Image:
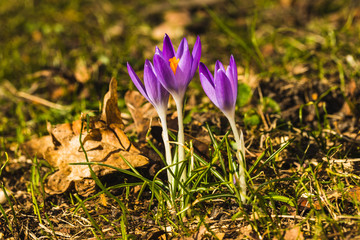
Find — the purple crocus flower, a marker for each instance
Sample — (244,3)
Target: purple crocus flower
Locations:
(222,91)
(176,69)
(157,95)
(222,88)
(153,91)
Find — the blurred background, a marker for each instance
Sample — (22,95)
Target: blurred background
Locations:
(57,57)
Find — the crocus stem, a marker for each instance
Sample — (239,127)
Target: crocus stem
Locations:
(168,158)
(181,140)
(240,154)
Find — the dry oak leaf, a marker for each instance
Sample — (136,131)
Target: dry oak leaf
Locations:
(105,142)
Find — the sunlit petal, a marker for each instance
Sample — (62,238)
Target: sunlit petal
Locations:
(233,72)
(158,51)
(183,70)
(224,93)
(196,54)
(219,65)
(175,70)
(165,74)
(206,72)
(207,83)
(168,48)
(137,82)
(156,92)
(233,68)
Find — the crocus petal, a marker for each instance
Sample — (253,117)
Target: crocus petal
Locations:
(148,63)
(196,54)
(224,93)
(168,48)
(233,68)
(207,83)
(158,51)
(229,74)
(183,70)
(232,80)
(137,82)
(232,71)
(158,95)
(206,72)
(183,46)
(219,65)
(165,74)
(163,92)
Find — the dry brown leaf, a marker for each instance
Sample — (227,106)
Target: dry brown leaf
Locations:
(105,142)
(82,73)
(350,194)
(299,69)
(174,24)
(111,113)
(268,49)
(245,232)
(114,31)
(294,234)
(286,3)
(38,146)
(220,236)
(141,111)
(349,106)
(200,234)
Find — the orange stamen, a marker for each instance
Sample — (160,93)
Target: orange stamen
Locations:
(174,63)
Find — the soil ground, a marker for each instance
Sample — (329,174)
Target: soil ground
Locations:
(298,69)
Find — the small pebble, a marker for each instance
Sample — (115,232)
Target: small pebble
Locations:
(3,197)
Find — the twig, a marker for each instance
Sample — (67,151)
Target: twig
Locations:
(342,160)
(32,98)
(346,217)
